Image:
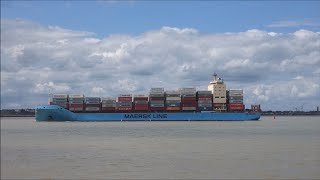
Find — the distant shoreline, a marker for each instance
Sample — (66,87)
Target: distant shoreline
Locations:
(315,114)
(17,116)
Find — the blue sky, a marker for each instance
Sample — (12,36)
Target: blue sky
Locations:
(135,17)
(270,49)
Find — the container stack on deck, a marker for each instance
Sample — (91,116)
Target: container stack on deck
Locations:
(92,104)
(60,100)
(188,99)
(108,104)
(141,103)
(204,99)
(124,103)
(216,98)
(173,101)
(76,103)
(157,99)
(235,100)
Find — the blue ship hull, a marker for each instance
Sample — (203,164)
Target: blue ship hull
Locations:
(57,113)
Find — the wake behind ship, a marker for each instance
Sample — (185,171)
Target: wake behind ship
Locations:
(185,104)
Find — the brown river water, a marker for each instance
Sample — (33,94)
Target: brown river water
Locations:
(281,148)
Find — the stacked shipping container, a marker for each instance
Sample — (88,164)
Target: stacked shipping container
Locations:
(156,99)
(235,100)
(60,100)
(188,99)
(124,102)
(204,99)
(93,104)
(173,101)
(141,103)
(108,104)
(76,103)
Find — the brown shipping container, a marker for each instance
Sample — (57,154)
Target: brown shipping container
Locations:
(156,108)
(157,98)
(141,102)
(76,105)
(218,104)
(173,108)
(141,105)
(141,108)
(140,98)
(188,99)
(189,104)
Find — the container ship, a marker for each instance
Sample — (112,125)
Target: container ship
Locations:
(185,104)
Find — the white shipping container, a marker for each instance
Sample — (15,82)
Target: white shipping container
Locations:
(156,105)
(204,105)
(60,96)
(92,109)
(173,98)
(187,90)
(76,96)
(204,102)
(188,95)
(109,105)
(156,95)
(156,102)
(125,95)
(189,108)
(172,92)
(108,99)
(204,92)
(76,109)
(157,90)
(173,101)
(235,92)
(140,95)
(59,100)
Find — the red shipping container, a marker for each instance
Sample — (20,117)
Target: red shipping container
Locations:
(141,98)
(236,107)
(188,99)
(124,98)
(141,108)
(190,104)
(76,105)
(124,109)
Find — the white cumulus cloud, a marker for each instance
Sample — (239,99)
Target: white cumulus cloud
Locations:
(274,69)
